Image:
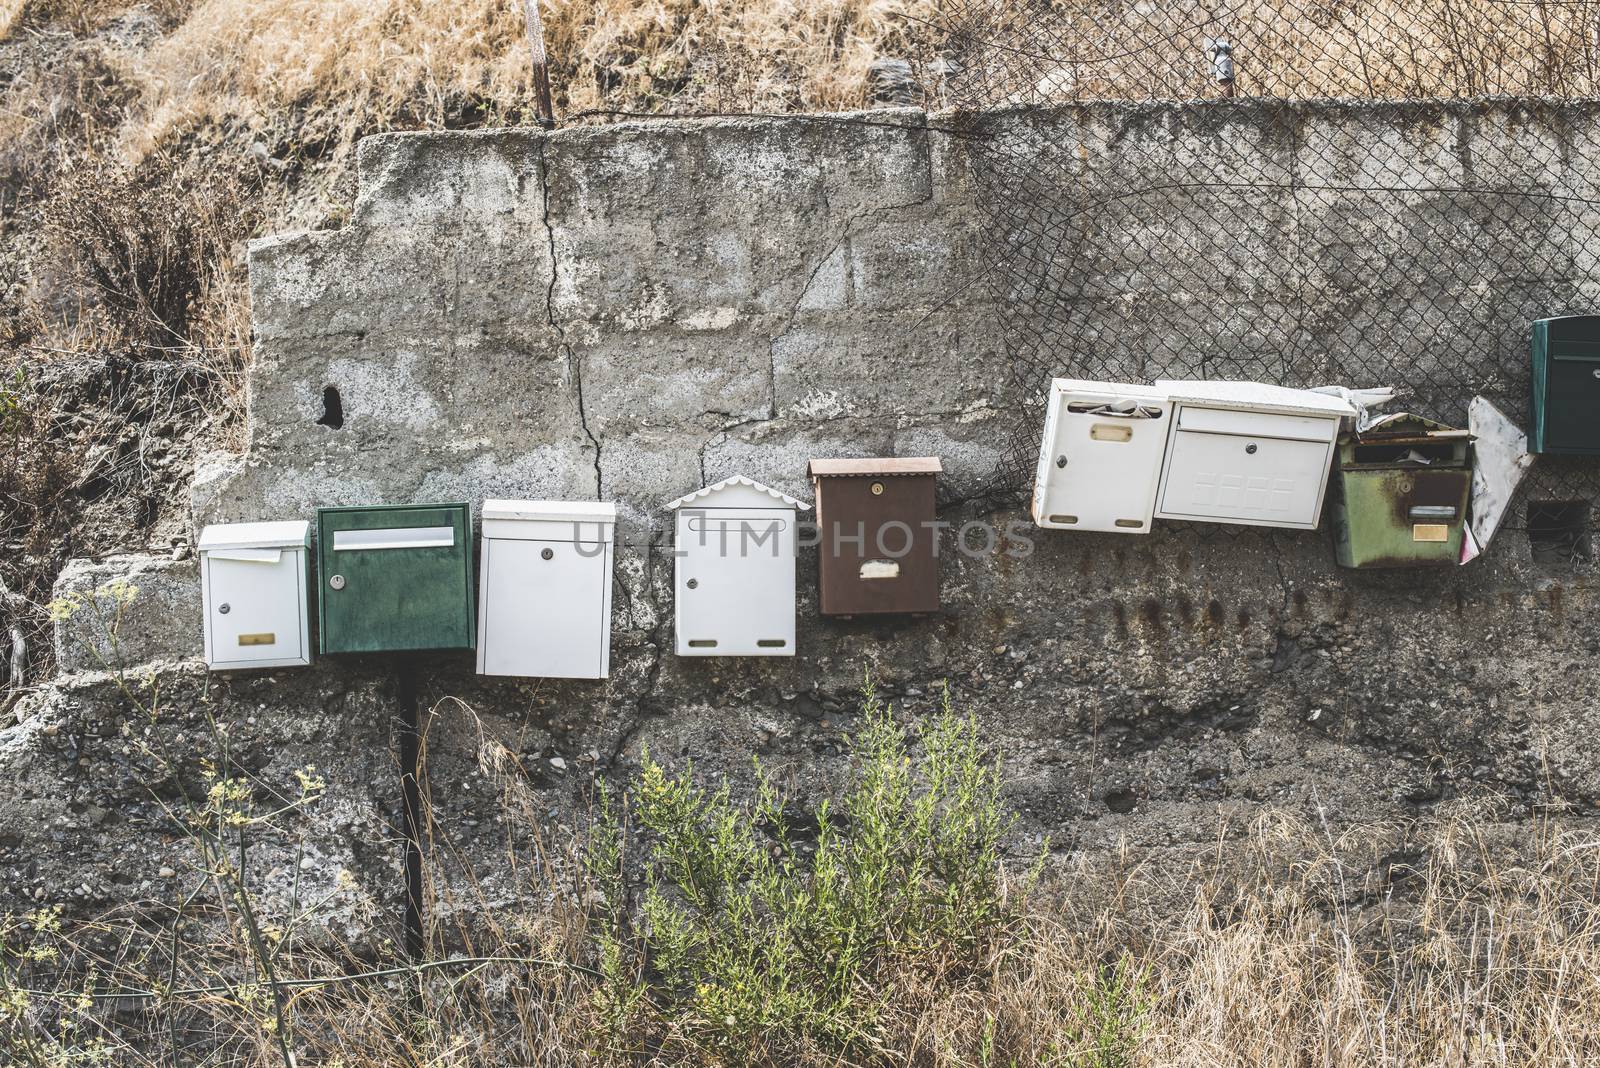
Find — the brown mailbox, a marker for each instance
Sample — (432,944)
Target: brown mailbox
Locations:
(875,525)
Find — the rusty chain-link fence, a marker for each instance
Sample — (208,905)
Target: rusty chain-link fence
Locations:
(1291,191)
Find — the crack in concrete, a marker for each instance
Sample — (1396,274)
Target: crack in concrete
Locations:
(574,362)
(849,231)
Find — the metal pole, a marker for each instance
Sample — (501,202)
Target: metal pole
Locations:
(541,64)
(411,798)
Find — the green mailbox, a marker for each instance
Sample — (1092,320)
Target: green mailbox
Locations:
(1566,385)
(1400,496)
(395,578)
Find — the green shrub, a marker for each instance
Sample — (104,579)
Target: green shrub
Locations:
(750,937)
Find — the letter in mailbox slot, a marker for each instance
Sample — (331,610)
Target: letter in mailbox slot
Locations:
(395,578)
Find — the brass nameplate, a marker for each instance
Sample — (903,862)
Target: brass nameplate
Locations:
(1110,432)
(1430,532)
(258,639)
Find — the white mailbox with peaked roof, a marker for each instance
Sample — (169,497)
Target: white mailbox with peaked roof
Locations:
(1247,452)
(1100,461)
(253,589)
(544,597)
(734,579)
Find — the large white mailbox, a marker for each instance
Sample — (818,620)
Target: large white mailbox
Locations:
(1100,461)
(253,589)
(734,577)
(544,596)
(1250,453)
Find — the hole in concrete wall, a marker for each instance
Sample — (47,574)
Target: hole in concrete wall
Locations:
(1121,801)
(332,409)
(1559,532)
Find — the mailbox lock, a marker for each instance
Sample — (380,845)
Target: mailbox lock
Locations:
(1597,372)
(548,554)
(693,584)
(877,489)
(1250,448)
(223,609)
(1061,461)
(337,582)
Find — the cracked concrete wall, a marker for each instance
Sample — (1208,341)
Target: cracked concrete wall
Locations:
(633,311)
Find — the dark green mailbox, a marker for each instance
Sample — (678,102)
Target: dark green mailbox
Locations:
(395,578)
(1566,385)
(1400,493)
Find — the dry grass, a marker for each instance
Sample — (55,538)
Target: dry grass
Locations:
(1281,48)
(1465,942)
(366,64)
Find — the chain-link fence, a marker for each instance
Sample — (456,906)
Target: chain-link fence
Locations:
(1299,192)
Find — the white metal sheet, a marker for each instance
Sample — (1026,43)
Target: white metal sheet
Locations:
(544,610)
(1254,481)
(735,595)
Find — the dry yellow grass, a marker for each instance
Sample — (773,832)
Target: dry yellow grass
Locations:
(370,63)
(1466,942)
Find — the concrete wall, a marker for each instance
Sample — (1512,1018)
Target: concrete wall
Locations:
(630,312)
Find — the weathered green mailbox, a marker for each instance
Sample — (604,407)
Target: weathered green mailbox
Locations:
(1566,385)
(1400,493)
(395,578)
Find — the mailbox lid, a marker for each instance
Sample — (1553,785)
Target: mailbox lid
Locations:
(879,551)
(568,521)
(285,534)
(1256,397)
(1566,375)
(404,578)
(1242,479)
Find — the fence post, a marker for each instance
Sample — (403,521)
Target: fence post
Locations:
(541,64)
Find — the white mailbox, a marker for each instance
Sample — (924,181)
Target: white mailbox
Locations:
(544,597)
(734,575)
(1100,462)
(253,588)
(1245,452)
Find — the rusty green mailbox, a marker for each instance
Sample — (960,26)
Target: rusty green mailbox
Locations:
(1400,493)
(395,578)
(1566,385)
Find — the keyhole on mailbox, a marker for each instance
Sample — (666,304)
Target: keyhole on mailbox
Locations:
(877,489)
(1061,461)
(224,609)
(1251,449)
(332,409)
(1596,372)
(693,584)
(549,554)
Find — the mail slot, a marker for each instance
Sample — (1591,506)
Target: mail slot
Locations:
(1400,494)
(1100,461)
(544,590)
(395,578)
(875,527)
(1248,453)
(1566,385)
(734,570)
(253,593)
